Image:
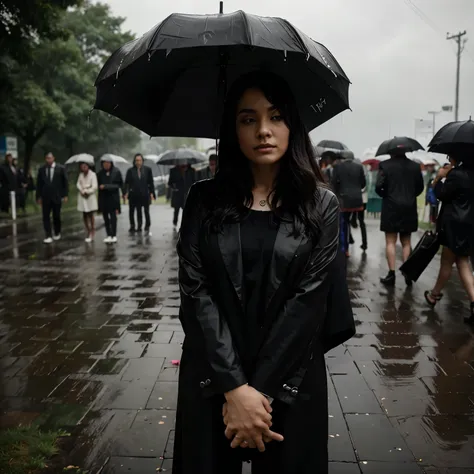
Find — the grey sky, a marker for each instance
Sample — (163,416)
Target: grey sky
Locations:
(399,65)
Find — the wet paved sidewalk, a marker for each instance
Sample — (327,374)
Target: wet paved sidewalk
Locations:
(88,335)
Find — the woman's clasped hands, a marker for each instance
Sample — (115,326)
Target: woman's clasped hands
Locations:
(248,419)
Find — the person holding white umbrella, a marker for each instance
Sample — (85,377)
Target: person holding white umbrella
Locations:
(87,199)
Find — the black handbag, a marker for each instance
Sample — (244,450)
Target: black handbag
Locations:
(421,255)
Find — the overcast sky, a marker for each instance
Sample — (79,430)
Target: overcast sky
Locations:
(398,59)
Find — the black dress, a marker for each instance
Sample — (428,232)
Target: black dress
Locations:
(456,219)
(257,235)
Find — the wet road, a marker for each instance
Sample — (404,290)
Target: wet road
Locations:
(88,335)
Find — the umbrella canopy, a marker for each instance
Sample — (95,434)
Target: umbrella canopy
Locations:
(454,137)
(153,158)
(173,80)
(332,145)
(81,158)
(115,159)
(181,156)
(403,144)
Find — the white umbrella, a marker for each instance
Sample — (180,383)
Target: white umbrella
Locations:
(153,158)
(114,158)
(81,158)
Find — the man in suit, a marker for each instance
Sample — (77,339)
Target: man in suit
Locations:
(210,171)
(348,181)
(182,177)
(140,190)
(51,191)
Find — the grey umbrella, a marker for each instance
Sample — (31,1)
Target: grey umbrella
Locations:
(181,156)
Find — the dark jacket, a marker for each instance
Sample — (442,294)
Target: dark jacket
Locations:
(179,183)
(139,189)
(210,274)
(53,191)
(109,197)
(8,183)
(456,220)
(205,173)
(399,183)
(304,279)
(348,181)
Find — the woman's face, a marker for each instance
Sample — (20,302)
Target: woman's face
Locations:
(84,167)
(261,131)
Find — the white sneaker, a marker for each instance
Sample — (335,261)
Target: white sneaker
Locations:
(57,237)
(108,240)
(88,240)
(48,240)
(113,240)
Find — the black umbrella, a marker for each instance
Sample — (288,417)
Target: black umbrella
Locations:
(172,81)
(332,144)
(401,144)
(454,137)
(181,156)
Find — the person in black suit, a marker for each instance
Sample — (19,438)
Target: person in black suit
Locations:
(52,190)
(181,179)
(399,183)
(140,190)
(209,171)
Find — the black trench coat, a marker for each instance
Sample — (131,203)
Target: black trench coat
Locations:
(290,365)
(109,197)
(399,183)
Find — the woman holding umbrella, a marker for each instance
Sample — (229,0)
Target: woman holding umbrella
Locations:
(456,218)
(110,183)
(86,199)
(252,320)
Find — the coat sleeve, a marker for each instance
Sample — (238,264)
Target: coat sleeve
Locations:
(65,182)
(78,184)
(302,317)
(381,183)
(420,183)
(95,185)
(363,179)
(448,190)
(199,314)
(128,179)
(151,184)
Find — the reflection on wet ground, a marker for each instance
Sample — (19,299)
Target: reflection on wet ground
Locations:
(88,334)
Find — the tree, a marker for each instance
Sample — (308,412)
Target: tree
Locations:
(22,24)
(52,95)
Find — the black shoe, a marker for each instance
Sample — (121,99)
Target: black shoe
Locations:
(139,229)
(408,281)
(351,240)
(131,230)
(363,247)
(389,280)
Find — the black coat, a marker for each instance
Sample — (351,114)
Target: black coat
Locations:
(53,191)
(179,184)
(109,197)
(139,189)
(456,220)
(399,183)
(290,363)
(8,183)
(348,181)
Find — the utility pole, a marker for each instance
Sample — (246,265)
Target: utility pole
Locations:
(434,114)
(460,42)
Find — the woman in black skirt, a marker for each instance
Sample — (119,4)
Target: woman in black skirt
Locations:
(456,226)
(257,250)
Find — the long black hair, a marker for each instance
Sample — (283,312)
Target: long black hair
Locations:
(296,189)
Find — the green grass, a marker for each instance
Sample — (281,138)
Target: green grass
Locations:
(26,449)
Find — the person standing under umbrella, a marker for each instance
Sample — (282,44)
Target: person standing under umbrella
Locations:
(139,190)
(209,171)
(256,248)
(8,182)
(348,181)
(181,178)
(110,183)
(52,189)
(455,226)
(399,183)
(86,199)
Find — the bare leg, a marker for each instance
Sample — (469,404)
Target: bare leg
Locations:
(390,249)
(405,240)
(85,217)
(466,276)
(92,224)
(446,268)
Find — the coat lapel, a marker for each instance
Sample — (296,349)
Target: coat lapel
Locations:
(231,250)
(284,250)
